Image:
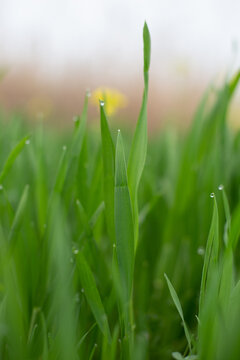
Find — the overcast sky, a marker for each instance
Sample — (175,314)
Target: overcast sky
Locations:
(62,33)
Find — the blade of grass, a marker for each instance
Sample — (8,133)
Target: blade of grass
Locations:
(211,254)
(92,295)
(12,157)
(124,233)
(180,311)
(19,214)
(123,222)
(108,156)
(138,150)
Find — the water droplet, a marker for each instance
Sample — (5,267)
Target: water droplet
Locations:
(212,195)
(64,147)
(82,290)
(119,340)
(95,345)
(119,130)
(75,118)
(27,142)
(88,93)
(221,187)
(75,251)
(71,260)
(201,251)
(1,187)
(101,103)
(77,298)
(114,245)
(77,202)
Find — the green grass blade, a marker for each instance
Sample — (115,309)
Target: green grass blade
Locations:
(19,214)
(85,335)
(123,222)
(179,309)
(211,254)
(92,295)
(235,228)
(227,214)
(108,156)
(226,282)
(12,157)
(234,82)
(61,173)
(138,150)
(69,158)
(62,299)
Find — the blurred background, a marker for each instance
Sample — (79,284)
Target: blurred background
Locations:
(51,51)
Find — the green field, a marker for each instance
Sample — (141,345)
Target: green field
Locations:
(116,246)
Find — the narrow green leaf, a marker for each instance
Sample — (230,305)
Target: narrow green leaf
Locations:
(69,158)
(12,157)
(235,228)
(45,338)
(211,254)
(123,222)
(179,309)
(62,298)
(19,214)
(85,335)
(93,352)
(234,82)
(61,173)
(226,281)
(138,150)
(227,214)
(147,47)
(92,294)
(108,156)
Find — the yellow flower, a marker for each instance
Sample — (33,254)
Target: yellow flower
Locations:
(112,98)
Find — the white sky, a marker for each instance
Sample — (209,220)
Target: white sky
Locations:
(63,33)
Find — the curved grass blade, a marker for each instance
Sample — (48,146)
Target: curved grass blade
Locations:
(92,295)
(93,352)
(179,309)
(227,214)
(108,156)
(61,173)
(69,159)
(19,214)
(45,337)
(85,335)
(235,229)
(123,223)
(124,233)
(211,254)
(138,150)
(12,157)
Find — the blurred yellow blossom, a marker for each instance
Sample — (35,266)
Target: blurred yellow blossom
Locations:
(113,99)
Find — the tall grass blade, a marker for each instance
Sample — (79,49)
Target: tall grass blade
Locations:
(123,223)
(17,220)
(108,156)
(92,295)
(211,254)
(138,150)
(179,309)
(12,157)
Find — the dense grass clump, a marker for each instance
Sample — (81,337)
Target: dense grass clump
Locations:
(110,250)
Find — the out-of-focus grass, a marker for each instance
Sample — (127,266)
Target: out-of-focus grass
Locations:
(91,221)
